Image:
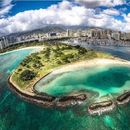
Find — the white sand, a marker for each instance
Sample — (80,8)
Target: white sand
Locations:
(35,47)
(89,63)
(77,66)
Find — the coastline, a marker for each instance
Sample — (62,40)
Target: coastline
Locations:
(84,64)
(89,63)
(45,100)
(49,101)
(25,48)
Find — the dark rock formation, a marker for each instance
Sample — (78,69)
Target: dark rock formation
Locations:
(80,97)
(101,107)
(124,98)
(71,100)
(46,100)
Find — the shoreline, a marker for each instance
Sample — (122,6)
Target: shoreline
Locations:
(24,48)
(80,65)
(48,101)
(45,100)
(89,63)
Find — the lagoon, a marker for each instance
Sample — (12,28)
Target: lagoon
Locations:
(103,79)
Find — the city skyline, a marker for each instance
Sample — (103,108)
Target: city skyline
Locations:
(18,16)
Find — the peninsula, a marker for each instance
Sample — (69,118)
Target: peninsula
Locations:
(56,59)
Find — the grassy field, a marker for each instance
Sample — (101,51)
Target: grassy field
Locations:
(39,64)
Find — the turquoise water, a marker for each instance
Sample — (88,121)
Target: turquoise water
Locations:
(105,79)
(16,114)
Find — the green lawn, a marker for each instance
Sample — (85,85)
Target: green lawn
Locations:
(50,57)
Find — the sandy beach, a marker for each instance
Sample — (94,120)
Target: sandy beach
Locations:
(25,48)
(31,96)
(75,66)
(89,63)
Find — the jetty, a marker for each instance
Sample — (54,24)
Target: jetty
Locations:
(124,98)
(71,100)
(101,107)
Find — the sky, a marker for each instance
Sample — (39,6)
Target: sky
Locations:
(25,15)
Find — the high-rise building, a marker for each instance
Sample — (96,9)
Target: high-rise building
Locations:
(89,33)
(116,35)
(1,44)
(4,42)
(68,33)
(125,36)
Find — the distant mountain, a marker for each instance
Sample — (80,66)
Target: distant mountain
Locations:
(45,29)
(52,28)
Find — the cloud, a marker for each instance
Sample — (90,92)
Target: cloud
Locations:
(112,12)
(96,3)
(127,22)
(5,7)
(6,2)
(64,13)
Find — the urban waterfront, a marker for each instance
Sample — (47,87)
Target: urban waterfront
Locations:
(18,115)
